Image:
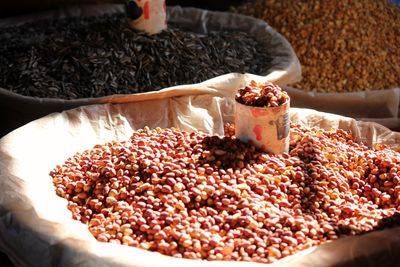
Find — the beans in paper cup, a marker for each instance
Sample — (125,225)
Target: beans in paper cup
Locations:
(262,116)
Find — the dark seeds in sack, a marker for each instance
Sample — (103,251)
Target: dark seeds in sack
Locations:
(98,56)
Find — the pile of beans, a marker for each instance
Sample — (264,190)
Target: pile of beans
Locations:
(261,95)
(349,45)
(198,196)
(85,57)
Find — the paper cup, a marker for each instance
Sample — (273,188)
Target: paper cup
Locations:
(154,16)
(267,127)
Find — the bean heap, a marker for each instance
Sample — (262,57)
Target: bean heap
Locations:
(343,46)
(84,57)
(198,196)
(261,95)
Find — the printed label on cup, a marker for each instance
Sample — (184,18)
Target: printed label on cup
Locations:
(147,15)
(268,128)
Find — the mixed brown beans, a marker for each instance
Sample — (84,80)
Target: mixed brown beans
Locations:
(197,196)
(343,46)
(265,94)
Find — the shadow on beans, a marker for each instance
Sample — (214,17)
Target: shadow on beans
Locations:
(310,174)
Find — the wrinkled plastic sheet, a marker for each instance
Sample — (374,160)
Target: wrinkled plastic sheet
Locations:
(283,67)
(36,228)
(381,106)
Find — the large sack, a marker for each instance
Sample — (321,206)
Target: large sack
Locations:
(36,228)
(368,104)
(381,106)
(284,67)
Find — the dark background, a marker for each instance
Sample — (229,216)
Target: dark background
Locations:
(18,7)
